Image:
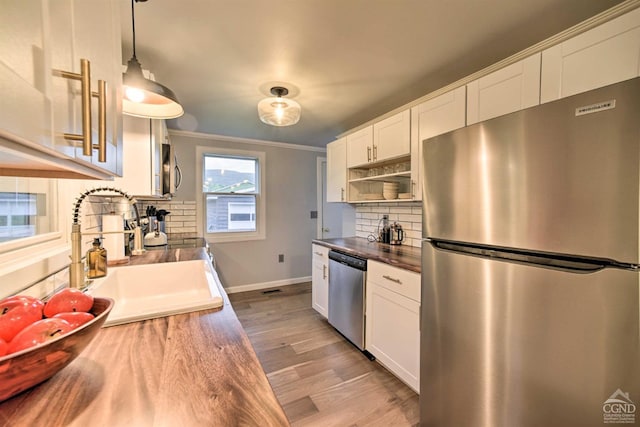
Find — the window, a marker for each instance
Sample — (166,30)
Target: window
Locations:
(27,208)
(233,200)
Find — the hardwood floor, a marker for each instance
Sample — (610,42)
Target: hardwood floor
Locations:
(319,378)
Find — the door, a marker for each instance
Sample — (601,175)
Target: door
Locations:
(507,344)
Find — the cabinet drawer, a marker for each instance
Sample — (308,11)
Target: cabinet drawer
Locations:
(403,282)
(320,253)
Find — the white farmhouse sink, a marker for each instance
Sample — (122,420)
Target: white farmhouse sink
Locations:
(157,290)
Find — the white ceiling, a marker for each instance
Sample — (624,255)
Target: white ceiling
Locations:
(345,61)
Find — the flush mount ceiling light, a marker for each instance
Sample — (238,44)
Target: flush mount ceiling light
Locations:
(144,97)
(278,111)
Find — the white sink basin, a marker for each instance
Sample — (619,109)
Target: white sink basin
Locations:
(157,290)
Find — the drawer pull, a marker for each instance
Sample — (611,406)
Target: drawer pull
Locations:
(398,281)
(318,253)
(324,271)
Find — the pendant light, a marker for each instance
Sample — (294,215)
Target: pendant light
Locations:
(278,111)
(143,97)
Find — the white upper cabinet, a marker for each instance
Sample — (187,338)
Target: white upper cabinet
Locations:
(25,108)
(360,147)
(431,118)
(385,140)
(142,140)
(337,171)
(512,88)
(42,44)
(391,137)
(76,34)
(604,55)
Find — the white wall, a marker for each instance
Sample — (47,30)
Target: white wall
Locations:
(291,196)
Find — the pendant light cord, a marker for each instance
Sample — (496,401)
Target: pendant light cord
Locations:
(133,26)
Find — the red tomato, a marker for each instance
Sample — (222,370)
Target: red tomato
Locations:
(36,333)
(75,318)
(4,347)
(67,300)
(16,314)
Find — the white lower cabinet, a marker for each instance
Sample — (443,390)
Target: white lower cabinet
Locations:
(320,279)
(393,320)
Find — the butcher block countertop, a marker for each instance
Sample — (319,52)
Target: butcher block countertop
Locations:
(195,369)
(401,256)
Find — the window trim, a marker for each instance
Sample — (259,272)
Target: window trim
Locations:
(261,197)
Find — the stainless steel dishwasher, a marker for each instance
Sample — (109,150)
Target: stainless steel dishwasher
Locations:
(347,275)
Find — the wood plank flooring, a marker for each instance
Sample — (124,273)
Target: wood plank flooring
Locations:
(319,378)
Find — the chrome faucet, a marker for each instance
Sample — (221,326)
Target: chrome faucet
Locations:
(76,268)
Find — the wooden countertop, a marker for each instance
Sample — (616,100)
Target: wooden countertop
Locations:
(195,369)
(401,256)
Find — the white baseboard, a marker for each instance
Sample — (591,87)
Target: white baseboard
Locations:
(266,285)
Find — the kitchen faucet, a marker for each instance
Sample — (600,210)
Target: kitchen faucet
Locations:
(76,268)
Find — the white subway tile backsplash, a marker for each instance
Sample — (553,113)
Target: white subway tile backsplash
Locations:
(407,214)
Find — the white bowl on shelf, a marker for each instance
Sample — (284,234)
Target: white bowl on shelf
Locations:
(390,195)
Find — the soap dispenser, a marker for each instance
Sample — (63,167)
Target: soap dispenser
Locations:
(96,260)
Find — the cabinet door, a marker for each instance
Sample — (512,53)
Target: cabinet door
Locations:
(140,165)
(337,171)
(393,334)
(75,34)
(439,115)
(360,147)
(604,55)
(391,137)
(320,279)
(25,107)
(512,88)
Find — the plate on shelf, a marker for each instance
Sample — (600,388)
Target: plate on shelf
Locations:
(372,196)
(404,196)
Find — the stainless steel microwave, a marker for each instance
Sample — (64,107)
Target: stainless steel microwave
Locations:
(170,174)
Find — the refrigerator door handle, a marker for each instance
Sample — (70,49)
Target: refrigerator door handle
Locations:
(575,264)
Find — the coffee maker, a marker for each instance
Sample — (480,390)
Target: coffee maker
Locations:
(396,234)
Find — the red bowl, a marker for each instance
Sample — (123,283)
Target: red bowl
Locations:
(29,367)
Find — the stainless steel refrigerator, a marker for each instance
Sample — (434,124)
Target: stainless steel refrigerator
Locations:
(530,282)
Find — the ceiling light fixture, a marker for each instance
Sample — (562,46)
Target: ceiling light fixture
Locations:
(277,111)
(144,97)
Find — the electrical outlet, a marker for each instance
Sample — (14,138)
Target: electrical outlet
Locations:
(281,258)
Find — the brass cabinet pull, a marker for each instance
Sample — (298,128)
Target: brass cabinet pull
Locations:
(368,154)
(398,281)
(342,194)
(85,83)
(86,136)
(375,153)
(102,120)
